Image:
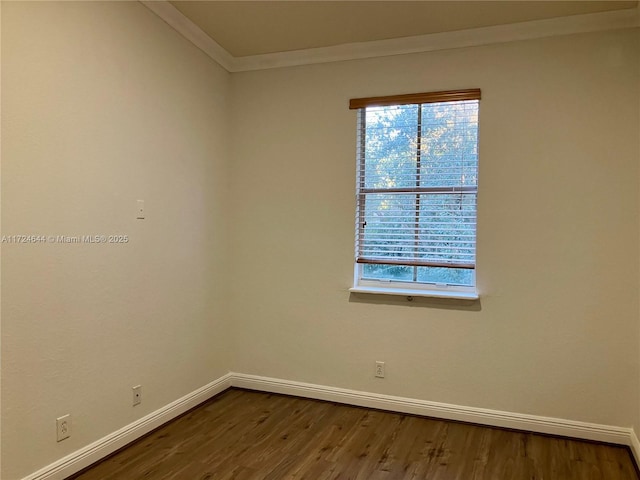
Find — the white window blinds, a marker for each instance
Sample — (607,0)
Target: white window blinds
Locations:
(417,181)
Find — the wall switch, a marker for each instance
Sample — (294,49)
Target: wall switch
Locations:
(137,395)
(63,427)
(140,210)
(380,369)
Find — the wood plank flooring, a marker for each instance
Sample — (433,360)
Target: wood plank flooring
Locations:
(249,435)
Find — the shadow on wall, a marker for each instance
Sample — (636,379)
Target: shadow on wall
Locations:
(417,302)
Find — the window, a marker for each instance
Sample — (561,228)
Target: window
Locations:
(417,187)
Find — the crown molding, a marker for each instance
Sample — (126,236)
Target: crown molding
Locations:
(191,32)
(592,22)
(616,19)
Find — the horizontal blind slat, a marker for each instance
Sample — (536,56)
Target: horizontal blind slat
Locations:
(415,262)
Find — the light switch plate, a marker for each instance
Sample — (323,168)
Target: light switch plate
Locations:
(140,210)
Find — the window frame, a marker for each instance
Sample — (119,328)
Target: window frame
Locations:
(397,287)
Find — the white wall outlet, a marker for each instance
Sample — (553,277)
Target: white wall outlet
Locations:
(63,427)
(137,395)
(380,369)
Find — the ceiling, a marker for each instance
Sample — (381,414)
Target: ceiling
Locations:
(245,28)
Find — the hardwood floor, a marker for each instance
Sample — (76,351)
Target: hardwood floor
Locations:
(248,435)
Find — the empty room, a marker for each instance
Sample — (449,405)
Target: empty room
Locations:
(320,239)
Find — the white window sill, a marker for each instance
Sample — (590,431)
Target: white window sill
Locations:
(406,292)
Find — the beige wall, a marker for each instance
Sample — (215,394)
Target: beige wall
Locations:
(104,104)
(555,332)
(249,180)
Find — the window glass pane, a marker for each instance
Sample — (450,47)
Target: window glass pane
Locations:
(449,144)
(390,225)
(450,276)
(387,272)
(447,227)
(390,146)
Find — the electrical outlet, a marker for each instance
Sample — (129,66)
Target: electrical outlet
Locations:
(137,395)
(380,369)
(63,427)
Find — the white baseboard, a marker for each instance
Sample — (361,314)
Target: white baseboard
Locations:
(94,452)
(84,457)
(481,416)
(634,444)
